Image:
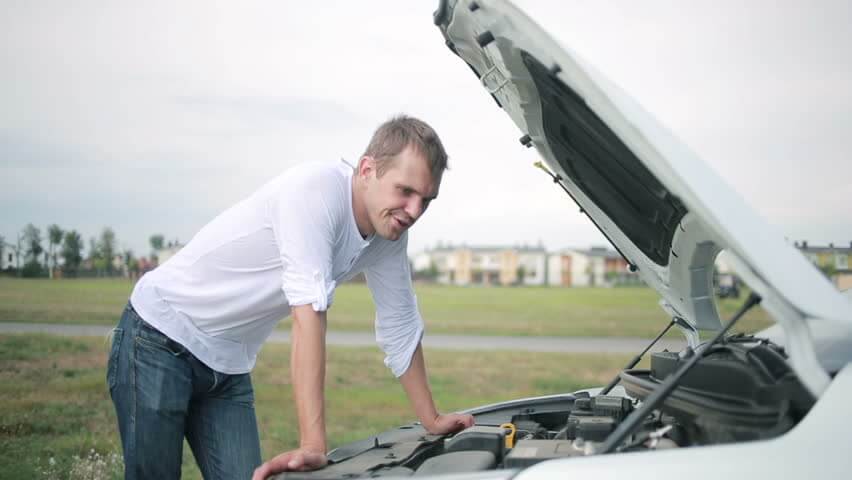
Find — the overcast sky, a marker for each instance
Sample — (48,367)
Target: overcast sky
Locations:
(152,117)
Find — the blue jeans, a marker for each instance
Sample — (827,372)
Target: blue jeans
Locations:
(162,393)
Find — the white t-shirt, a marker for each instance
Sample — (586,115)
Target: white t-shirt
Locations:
(290,243)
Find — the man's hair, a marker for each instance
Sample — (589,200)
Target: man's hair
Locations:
(402,131)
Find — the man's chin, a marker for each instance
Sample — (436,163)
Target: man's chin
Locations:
(391,234)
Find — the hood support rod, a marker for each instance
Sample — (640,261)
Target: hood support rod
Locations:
(638,358)
(668,385)
(557,179)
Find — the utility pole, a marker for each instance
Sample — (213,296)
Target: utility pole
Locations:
(18,254)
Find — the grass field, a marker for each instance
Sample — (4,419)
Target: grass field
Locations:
(54,405)
(446,309)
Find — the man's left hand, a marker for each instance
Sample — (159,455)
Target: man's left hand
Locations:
(449,423)
(299,460)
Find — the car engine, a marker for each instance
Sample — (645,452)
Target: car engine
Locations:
(742,389)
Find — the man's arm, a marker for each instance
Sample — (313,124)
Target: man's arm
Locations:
(307,373)
(416,386)
(399,328)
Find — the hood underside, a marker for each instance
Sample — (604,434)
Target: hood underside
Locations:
(603,168)
(665,210)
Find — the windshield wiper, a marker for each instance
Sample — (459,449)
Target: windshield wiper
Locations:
(669,384)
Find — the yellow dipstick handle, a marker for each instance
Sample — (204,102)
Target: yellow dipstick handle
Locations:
(510,438)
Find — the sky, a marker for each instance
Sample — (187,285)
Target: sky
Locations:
(153,117)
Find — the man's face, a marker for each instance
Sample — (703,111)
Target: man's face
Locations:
(399,197)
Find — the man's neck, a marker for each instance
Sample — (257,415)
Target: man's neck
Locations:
(362,219)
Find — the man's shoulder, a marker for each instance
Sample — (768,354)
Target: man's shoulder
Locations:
(314,178)
(335,168)
(311,192)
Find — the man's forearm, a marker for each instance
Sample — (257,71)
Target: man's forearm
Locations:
(307,373)
(416,386)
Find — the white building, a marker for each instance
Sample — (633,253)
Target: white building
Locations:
(594,267)
(533,264)
(480,265)
(9,258)
(483,265)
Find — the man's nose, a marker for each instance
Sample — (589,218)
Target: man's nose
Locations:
(414,208)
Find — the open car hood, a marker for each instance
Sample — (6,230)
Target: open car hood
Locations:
(666,211)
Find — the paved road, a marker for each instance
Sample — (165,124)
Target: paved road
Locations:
(434,341)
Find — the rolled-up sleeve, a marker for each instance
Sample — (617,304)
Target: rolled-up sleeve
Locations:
(399,326)
(302,289)
(303,220)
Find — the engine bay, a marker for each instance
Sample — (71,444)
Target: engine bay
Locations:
(743,389)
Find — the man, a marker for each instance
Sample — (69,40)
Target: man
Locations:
(182,352)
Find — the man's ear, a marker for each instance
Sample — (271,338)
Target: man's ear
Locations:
(366,166)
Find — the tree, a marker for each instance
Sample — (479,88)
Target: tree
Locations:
(32,242)
(2,248)
(54,239)
(18,248)
(156,245)
(521,274)
(33,248)
(94,256)
(72,252)
(106,245)
(93,249)
(130,262)
(432,272)
(828,269)
(157,242)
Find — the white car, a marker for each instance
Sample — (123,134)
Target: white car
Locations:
(772,405)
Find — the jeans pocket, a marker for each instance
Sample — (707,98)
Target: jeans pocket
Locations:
(112,365)
(151,338)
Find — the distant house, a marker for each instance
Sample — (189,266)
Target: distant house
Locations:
(9,259)
(832,260)
(120,266)
(504,265)
(594,267)
(143,266)
(484,265)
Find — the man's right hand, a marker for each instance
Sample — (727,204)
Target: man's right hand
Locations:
(307,372)
(299,460)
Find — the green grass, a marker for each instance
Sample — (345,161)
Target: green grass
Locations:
(63,301)
(446,309)
(54,402)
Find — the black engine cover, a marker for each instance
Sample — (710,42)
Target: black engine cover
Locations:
(743,389)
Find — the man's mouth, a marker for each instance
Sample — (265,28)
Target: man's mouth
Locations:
(402,224)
